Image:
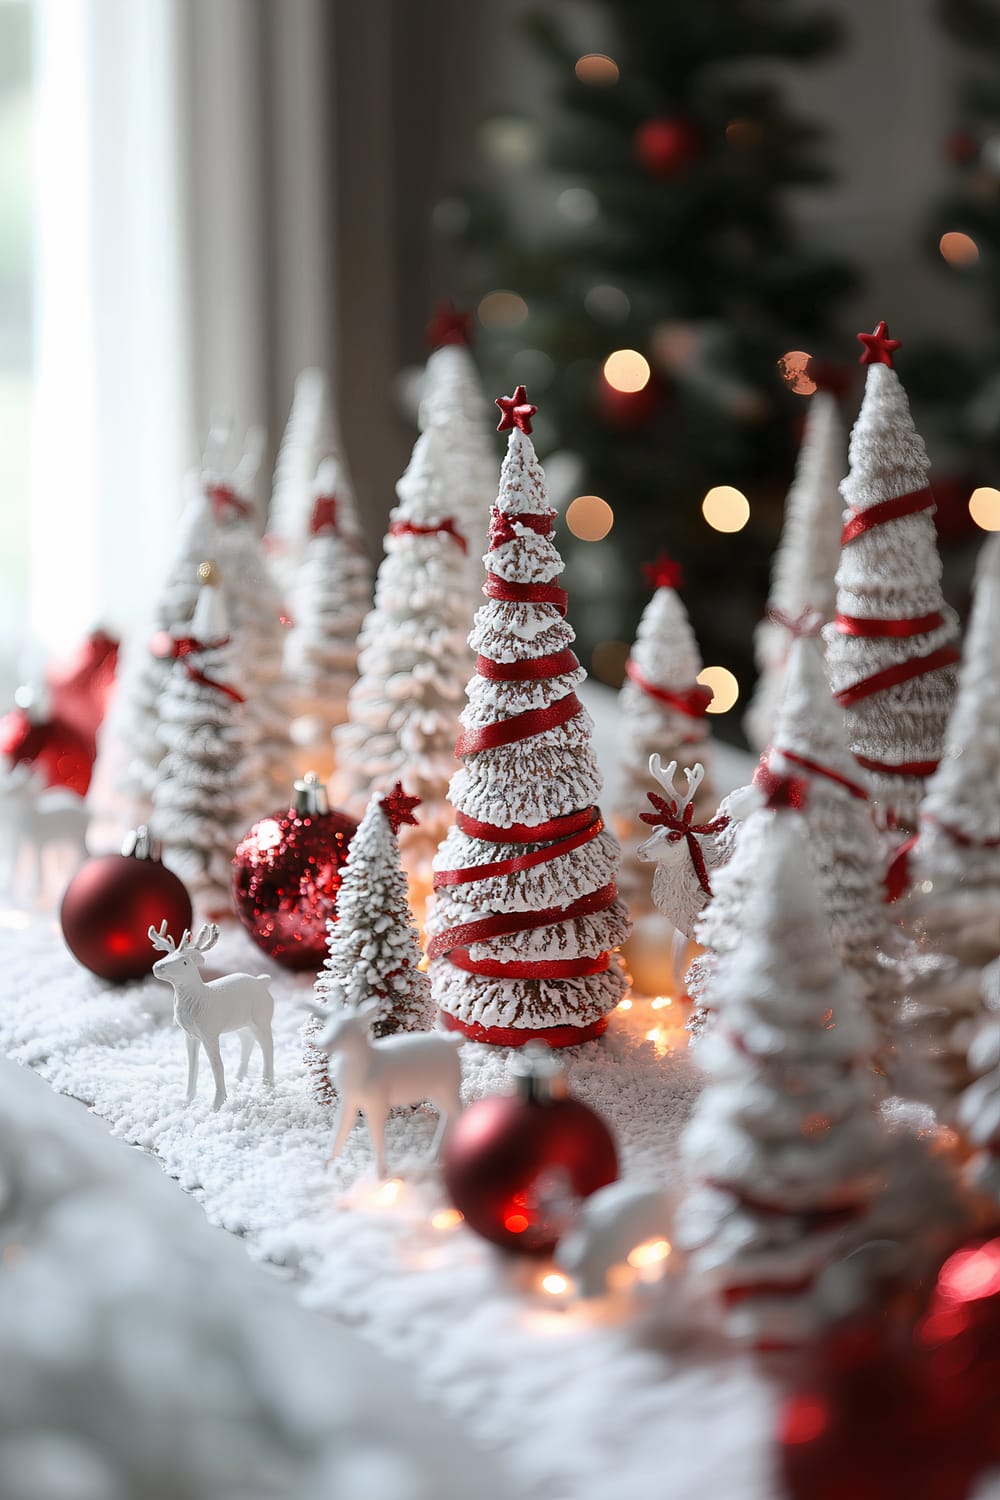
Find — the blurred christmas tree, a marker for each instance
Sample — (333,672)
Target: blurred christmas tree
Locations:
(633,257)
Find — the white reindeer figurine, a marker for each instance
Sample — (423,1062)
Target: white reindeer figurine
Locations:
(36,820)
(684,852)
(406,1068)
(237,1002)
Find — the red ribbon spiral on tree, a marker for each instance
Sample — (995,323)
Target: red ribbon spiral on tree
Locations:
(180,648)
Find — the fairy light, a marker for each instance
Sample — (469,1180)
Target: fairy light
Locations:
(446,1218)
(555,1284)
(969,1275)
(597,69)
(984,508)
(502,310)
(793,368)
(625,1004)
(726,508)
(724,686)
(589,518)
(516,1222)
(649,1253)
(627,370)
(958,249)
(388,1193)
(661,1002)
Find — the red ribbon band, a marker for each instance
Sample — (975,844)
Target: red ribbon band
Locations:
(860,521)
(224,498)
(502,526)
(508,924)
(883,629)
(525,593)
(854,787)
(548,968)
(693,701)
(534,670)
(519,726)
(179,648)
(781,791)
(526,833)
(520,862)
(899,672)
(901,768)
(447,527)
(517,1036)
(963,840)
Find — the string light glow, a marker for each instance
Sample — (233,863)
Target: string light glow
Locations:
(555,1284)
(625,1004)
(627,371)
(649,1253)
(387,1193)
(958,249)
(793,368)
(726,508)
(724,686)
(502,310)
(597,69)
(984,508)
(446,1218)
(590,518)
(661,1002)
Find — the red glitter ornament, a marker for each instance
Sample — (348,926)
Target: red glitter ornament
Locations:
(286,875)
(113,900)
(666,145)
(517,1165)
(515,411)
(878,346)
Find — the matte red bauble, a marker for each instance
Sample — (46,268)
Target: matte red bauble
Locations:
(665,146)
(286,875)
(517,1165)
(111,903)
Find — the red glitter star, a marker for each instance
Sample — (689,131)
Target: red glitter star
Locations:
(516,411)
(879,347)
(324,515)
(663,572)
(448,326)
(398,807)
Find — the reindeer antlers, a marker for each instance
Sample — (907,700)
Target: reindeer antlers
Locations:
(160,938)
(693,775)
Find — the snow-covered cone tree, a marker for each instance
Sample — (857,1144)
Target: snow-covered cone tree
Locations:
(453,400)
(784,1143)
(373,947)
(953,868)
(129,747)
(209,784)
(255,607)
(661,710)
(891,647)
(403,711)
(979,1107)
(330,597)
(802,574)
(527,915)
(310,435)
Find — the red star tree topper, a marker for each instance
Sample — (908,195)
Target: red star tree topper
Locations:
(515,411)
(663,573)
(398,807)
(878,346)
(449,325)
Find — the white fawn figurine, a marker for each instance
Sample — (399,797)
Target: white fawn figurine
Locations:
(237,1002)
(406,1068)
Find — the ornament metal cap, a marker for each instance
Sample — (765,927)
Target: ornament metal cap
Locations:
(310,796)
(140,844)
(537,1074)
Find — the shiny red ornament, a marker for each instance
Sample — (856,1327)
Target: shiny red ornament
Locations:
(515,411)
(878,346)
(449,325)
(286,875)
(667,145)
(516,1166)
(111,903)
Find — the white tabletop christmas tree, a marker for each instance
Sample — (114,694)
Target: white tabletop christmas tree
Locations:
(209,784)
(311,434)
(329,599)
(403,712)
(661,710)
(802,574)
(979,1106)
(953,868)
(784,1143)
(891,647)
(526,917)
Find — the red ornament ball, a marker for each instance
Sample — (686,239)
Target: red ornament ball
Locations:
(516,1166)
(56,752)
(286,876)
(111,903)
(667,145)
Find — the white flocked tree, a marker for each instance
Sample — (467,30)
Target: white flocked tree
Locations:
(891,647)
(661,710)
(784,1144)
(526,915)
(311,434)
(805,563)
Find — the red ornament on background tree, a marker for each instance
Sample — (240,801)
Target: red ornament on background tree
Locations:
(79,686)
(111,903)
(286,875)
(517,1165)
(665,146)
(57,752)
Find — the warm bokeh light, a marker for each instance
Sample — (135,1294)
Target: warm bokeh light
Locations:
(578,204)
(502,310)
(446,1218)
(984,508)
(625,1004)
(649,1253)
(793,368)
(627,371)
(661,1002)
(608,660)
(597,68)
(554,1284)
(386,1195)
(726,508)
(589,518)
(724,686)
(971,1274)
(958,249)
